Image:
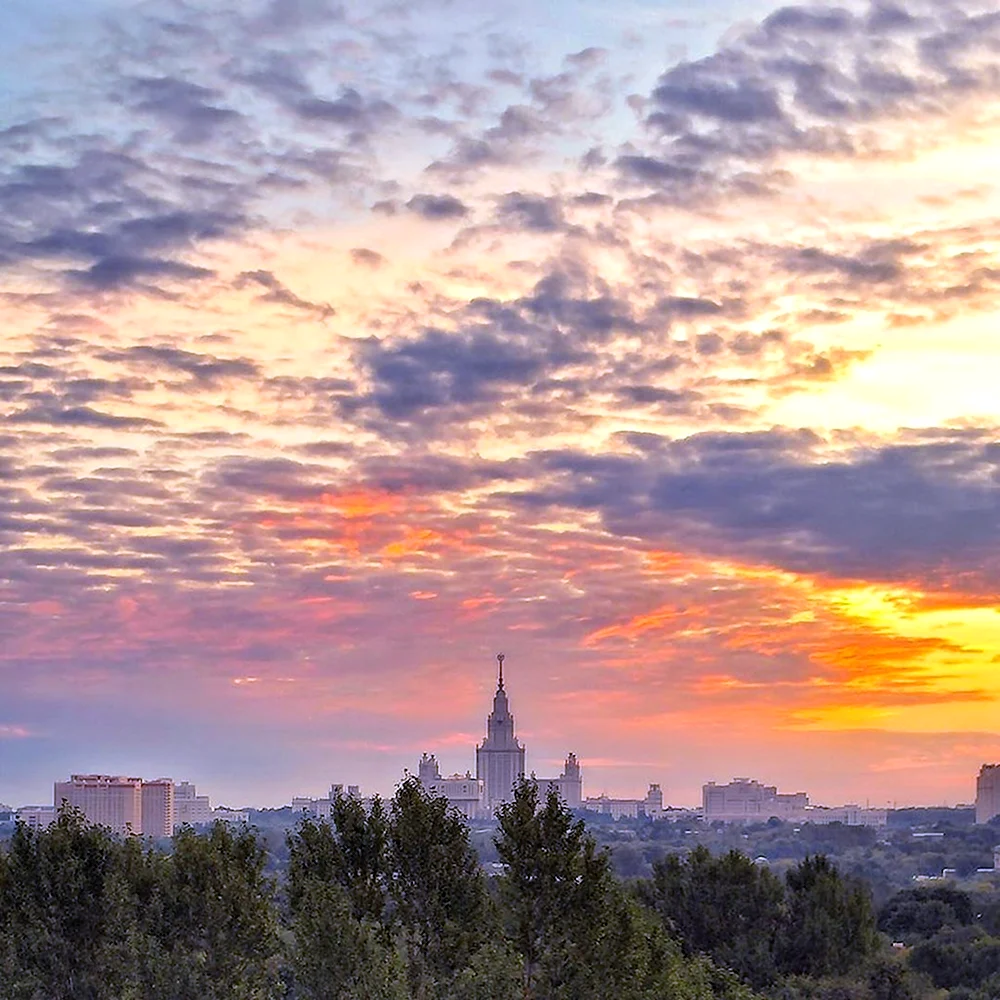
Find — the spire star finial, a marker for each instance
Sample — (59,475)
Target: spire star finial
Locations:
(500,659)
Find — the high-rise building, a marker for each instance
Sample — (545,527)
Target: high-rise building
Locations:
(114,801)
(500,757)
(190,808)
(988,793)
(158,807)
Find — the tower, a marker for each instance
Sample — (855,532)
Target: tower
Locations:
(571,783)
(499,758)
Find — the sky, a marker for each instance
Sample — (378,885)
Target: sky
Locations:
(652,344)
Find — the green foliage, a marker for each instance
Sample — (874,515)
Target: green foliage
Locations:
(391,904)
(830,924)
(966,958)
(579,934)
(917,914)
(336,956)
(437,886)
(219,923)
(818,924)
(727,907)
(85,916)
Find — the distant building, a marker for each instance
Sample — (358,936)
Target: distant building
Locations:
(746,801)
(36,817)
(463,792)
(850,815)
(651,805)
(988,793)
(190,808)
(499,766)
(500,757)
(654,802)
(225,815)
(568,786)
(323,808)
(158,807)
(114,801)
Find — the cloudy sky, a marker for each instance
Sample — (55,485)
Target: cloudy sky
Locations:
(347,344)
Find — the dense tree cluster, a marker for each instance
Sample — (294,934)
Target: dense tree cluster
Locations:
(391,903)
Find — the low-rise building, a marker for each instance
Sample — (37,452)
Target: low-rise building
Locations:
(36,817)
(323,808)
(849,815)
(223,814)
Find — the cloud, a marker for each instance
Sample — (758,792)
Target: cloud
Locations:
(437,206)
(821,81)
(914,510)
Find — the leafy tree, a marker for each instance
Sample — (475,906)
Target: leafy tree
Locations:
(494,973)
(830,927)
(336,956)
(53,909)
(218,926)
(579,935)
(915,914)
(437,887)
(727,907)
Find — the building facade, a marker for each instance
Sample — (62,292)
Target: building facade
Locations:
(500,761)
(36,817)
(323,808)
(114,801)
(568,786)
(463,792)
(500,757)
(746,801)
(158,808)
(988,793)
(190,808)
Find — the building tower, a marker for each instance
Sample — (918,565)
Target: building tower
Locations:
(499,758)
(988,793)
(572,783)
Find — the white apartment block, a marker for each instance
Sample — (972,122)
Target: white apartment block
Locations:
(651,806)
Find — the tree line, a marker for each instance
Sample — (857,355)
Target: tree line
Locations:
(391,903)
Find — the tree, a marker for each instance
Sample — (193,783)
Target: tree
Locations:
(53,909)
(437,886)
(727,907)
(919,913)
(336,956)
(556,889)
(219,925)
(830,928)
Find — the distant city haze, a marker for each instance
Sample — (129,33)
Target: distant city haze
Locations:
(651,343)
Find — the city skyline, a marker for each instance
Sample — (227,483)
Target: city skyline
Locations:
(347,343)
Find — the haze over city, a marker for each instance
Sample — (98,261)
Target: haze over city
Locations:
(653,344)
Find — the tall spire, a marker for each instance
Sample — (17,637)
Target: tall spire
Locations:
(500,659)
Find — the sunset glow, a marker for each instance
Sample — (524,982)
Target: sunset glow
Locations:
(345,345)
